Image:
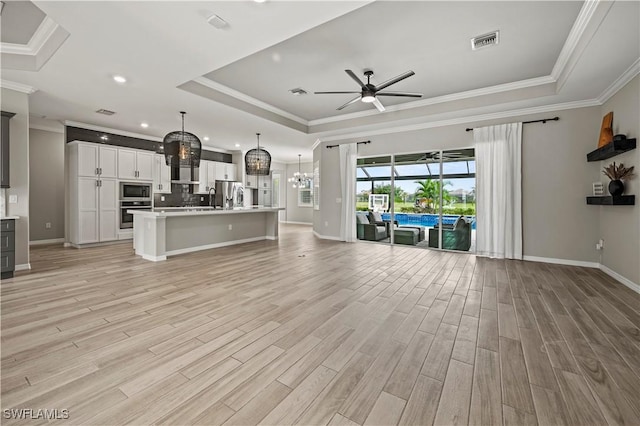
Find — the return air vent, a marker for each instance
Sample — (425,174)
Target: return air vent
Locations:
(485,40)
(105,111)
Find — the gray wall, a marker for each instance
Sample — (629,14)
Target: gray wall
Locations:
(557,223)
(620,225)
(295,213)
(18,103)
(46,184)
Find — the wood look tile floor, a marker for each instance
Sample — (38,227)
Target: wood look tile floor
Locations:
(305,331)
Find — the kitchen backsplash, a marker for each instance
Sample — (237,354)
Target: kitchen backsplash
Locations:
(180,197)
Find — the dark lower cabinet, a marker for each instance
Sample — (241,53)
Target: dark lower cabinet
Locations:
(7,247)
(4,150)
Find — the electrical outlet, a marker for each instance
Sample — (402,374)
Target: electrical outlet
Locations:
(13,199)
(47,225)
(162,198)
(201,198)
(230,227)
(326,224)
(601,242)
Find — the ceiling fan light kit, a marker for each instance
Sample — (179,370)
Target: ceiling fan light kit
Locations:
(369,92)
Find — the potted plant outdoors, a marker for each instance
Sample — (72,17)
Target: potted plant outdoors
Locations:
(617,174)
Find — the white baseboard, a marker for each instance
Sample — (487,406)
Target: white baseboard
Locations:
(326,237)
(271,238)
(66,245)
(616,276)
(216,245)
(154,258)
(296,223)
(44,242)
(562,261)
(23,267)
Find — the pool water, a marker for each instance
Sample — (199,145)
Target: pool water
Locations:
(426,219)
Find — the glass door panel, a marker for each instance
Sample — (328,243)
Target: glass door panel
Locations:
(458,200)
(373,199)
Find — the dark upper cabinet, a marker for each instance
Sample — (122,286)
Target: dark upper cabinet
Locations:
(4,149)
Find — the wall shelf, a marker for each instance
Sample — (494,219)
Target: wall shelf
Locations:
(612,149)
(617,200)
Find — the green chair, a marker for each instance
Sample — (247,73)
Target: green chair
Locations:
(369,231)
(454,237)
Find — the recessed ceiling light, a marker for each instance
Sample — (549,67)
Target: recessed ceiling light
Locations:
(144,125)
(119,79)
(237,145)
(206,138)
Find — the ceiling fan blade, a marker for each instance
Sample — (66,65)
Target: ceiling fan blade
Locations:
(355,77)
(378,105)
(352,101)
(394,80)
(405,94)
(332,93)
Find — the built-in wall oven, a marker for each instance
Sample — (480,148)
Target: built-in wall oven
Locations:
(133,196)
(126,219)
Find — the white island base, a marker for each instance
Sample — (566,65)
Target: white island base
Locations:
(166,232)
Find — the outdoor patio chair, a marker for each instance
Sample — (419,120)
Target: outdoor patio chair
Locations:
(369,231)
(454,237)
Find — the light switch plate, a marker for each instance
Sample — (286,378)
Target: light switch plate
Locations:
(13,199)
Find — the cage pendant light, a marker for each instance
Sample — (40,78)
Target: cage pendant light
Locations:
(257,161)
(299,180)
(182,149)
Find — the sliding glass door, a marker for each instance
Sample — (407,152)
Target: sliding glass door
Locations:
(425,199)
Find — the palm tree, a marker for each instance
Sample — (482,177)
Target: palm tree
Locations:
(429,191)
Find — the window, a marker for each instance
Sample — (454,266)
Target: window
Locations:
(305,195)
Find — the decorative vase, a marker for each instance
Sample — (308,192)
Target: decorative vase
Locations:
(616,187)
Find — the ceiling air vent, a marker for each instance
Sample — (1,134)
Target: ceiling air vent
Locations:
(105,111)
(298,91)
(485,40)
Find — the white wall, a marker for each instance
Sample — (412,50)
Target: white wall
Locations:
(18,103)
(620,225)
(46,184)
(557,223)
(295,213)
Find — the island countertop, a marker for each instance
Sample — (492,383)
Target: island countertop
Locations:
(200,211)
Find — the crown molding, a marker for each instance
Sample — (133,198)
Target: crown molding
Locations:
(248,99)
(591,15)
(43,33)
(316,143)
(506,87)
(18,87)
(466,119)
(620,82)
(111,130)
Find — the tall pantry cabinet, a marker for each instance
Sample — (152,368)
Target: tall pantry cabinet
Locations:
(93,171)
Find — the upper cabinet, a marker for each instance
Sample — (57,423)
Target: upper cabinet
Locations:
(135,165)
(4,149)
(97,160)
(211,171)
(161,175)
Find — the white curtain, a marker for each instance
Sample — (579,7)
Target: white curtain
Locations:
(499,190)
(348,158)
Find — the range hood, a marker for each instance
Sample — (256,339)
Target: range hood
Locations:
(183,176)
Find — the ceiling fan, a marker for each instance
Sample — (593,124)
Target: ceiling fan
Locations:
(369,92)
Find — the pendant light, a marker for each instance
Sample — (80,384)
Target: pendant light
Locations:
(182,149)
(257,161)
(299,180)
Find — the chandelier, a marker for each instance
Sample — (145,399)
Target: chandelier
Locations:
(182,149)
(257,161)
(299,180)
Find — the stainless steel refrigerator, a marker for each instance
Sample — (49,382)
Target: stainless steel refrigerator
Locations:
(229,194)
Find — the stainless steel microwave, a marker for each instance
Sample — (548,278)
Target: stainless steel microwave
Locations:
(134,191)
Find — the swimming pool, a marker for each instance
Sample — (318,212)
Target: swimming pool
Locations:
(426,219)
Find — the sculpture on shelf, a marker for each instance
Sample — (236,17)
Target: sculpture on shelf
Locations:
(606,131)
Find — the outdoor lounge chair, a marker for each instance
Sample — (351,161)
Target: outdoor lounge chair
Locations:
(376,217)
(369,231)
(454,237)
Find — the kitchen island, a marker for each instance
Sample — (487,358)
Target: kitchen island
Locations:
(169,231)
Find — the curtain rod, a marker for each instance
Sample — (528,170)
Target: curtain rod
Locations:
(544,120)
(363,142)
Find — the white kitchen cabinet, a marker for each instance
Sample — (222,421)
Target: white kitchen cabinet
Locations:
(262,182)
(97,160)
(224,171)
(203,177)
(93,198)
(161,175)
(135,164)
